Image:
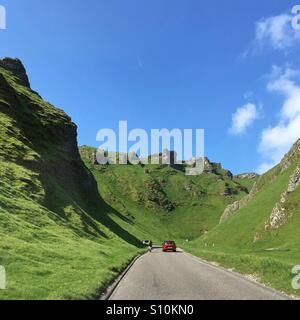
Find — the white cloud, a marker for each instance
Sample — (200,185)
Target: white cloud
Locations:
(275,32)
(277,140)
(243,118)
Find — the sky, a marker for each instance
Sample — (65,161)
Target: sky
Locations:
(229,67)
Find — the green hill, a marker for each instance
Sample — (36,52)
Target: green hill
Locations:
(56,237)
(260,234)
(162,200)
(60,238)
(69,225)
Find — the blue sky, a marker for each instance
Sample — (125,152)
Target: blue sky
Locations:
(230,67)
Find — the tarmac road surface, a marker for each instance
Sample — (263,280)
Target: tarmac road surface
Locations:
(180,276)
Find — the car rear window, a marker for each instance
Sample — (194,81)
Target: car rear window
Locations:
(169,242)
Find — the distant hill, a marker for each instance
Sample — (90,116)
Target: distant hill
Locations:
(163,199)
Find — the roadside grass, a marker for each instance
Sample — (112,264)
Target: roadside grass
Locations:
(243,244)
(47,257)
(273,270)
(72,269)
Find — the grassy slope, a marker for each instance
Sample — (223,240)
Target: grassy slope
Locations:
(197,201)
(270,258)
(60,239)
(56,238)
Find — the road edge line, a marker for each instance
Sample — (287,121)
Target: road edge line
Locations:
(241,276)
(113,286)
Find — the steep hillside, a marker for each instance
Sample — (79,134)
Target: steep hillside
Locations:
(56,237)
(260,233)
(163,200)
(67,224)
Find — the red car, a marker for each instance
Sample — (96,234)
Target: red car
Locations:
(169,245)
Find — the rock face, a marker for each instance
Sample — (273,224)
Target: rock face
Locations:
(216,168)
(228,191)
(247,176)
(16,67)
(166,157)
(193,190)
(232,208)
(211,167)
(156,197)
(280,214)
(89,154)
(278,217)
(294,181)
(291,156)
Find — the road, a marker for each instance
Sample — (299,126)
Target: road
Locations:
(180,276)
